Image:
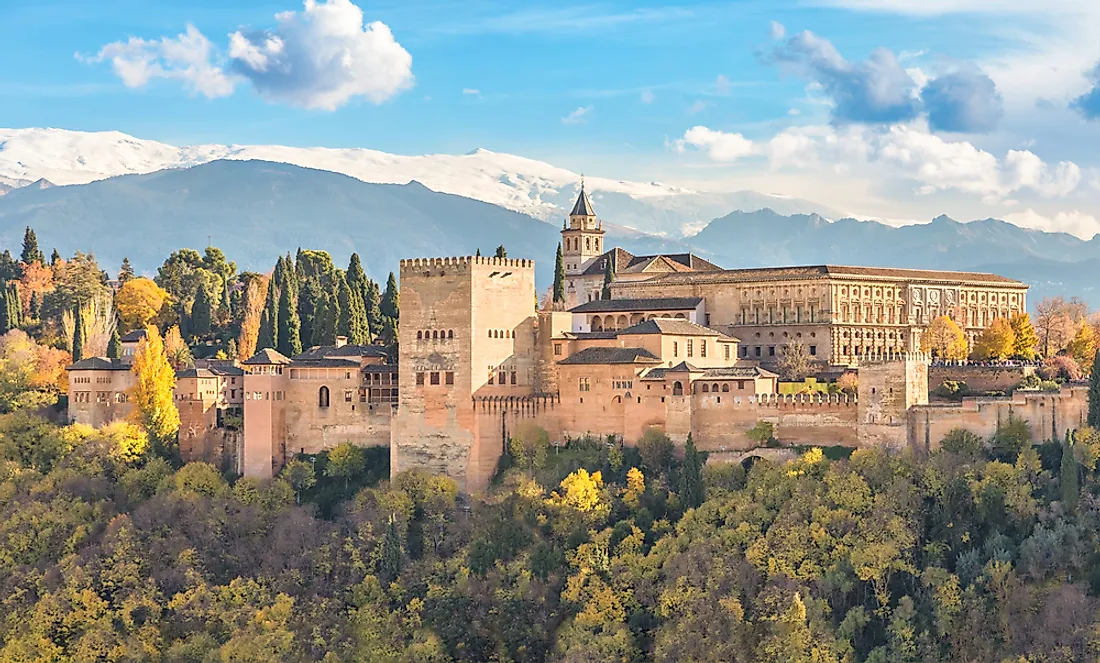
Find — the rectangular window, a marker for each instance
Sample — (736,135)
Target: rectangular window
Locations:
(492,377)
(420,379)
(675,349)
(741,385)
(702,348)
(434,378)
(771,350)
(727,351)
(813,350)
(758,351)
(513,377)
(690,347)
(450,378)
(583,384)
(501,378)
(347,395)
(557,349)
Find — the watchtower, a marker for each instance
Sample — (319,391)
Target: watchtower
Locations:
(890,384)
(581,236)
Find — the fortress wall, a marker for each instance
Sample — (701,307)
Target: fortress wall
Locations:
(721,422)
(980,378)
(1049,415)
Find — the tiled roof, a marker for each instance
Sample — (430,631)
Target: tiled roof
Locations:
(685,367)
(611,356)
(628,263)
(220,366)
(672,326)
(132,336)
(380,368)
(738,372)
(266,356)
(658,304)
(583,206)
(590,336)
(98,364)
(325,351)
(811,272)
(195,373)
(350,363)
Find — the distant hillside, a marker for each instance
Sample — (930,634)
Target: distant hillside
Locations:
(256,210)
(1054,263)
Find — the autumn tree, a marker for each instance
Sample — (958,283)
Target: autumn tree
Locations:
(345,461)
(944,339)
(253,306)
(154,407)
(996,342)
(125,272)
(1082,347)
(1056,322)
(139,302)
(176,349)
(1024,339)
(37,280)
(795,362)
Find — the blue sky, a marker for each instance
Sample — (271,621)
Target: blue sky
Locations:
(900,109)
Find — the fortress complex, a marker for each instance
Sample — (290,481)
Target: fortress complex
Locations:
(681,346)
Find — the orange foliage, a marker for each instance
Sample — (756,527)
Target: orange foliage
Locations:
(36,278)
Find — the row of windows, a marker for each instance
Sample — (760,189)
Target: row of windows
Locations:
(575,244)
(501,333)
(433,378)
(758,351)
(772,315)
(435,335)
(82,380)
(100,397)
(319,374)
(622,384)
(690,347)
(502,378)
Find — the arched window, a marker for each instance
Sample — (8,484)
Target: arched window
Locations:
(677,389)
(435,335)
(322,397)
(706,388)
(714,387)
(419,335)
(725,388)
(450,333)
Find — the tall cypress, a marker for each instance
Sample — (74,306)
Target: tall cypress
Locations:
(55,258)
(374,309)
(78,334)
(36,307)
(325,320)
(30,247)
(353,319)
(559,278)
(202,314)
(1094,392)
(5,312)
(608,277)
(501,252)
(692,491)
(269,319)
(15,305)
(289,342)
(391,304)
(114,346)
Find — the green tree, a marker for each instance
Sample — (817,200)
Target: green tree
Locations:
(202,313)
(608,276)
(692,490)
(1070,475)
(345,460)
(268,336)
(5,312)
(391,305)
(353,319)
(1094,392)
(126,272)
(114,346)
(35,307)
(55,258)
(289,342)
(389,563)
(501,252)
(299,474)
(78,334)
(559,277)
(15,305)
(31,252)
(374,309)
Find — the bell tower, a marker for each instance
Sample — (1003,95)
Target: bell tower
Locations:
(581,236)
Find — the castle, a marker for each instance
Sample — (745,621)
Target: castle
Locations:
(681,345)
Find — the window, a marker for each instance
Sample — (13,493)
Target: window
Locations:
(771,350)
(513,377)
(691,352)
(677,389)
(492,377)
(419,337)
(727,351)
(434,378)
(501,378)
(725,387)
(450,378)
(813,350)
(322,397)
(450,334)
(702,348)
(420,379)
(347,395)
(583,384)
(758,351)
(675,349)
(557,349)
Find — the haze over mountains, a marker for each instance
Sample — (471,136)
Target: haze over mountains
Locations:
(388,207)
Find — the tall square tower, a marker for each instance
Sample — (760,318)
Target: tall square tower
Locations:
(581,236)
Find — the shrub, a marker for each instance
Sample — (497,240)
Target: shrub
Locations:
(1061,368)
(763,433)
(962,441)
(952,389)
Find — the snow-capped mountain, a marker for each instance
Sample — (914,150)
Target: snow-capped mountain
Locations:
(524,185)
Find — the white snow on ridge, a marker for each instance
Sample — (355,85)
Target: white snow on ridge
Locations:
(517,183)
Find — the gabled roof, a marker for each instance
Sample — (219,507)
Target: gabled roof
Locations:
(132,336)
(627,305)
(98,364)
(195,373)
(627,263)
(685,367)
(672,327)
(350,363)
(265,357)
(817,272)
(612,356)
(583,206)
(349,351)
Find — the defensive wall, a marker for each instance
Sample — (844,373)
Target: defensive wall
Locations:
(979,377)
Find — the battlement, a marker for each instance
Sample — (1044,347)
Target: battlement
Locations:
(885,357)
(517,404)
(464,262)
(778,400)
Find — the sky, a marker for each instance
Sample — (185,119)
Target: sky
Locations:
(899,110)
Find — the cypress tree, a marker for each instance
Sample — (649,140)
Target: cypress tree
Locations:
(389,566)
(78,334)
(30,247)
(501,252)
(325,320)
(692,491)
(55,258)
(391,305)
(608,277)
(353,320)
(559,278)
(15,305)
(114,346)
(269,319)
(1094,392)
(289,341)
(5,312)
(36,307)
(478,254)
(1071,485)
(125,273)
(374,310)
(201,313)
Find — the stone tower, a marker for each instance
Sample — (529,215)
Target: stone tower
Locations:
(890,384)
(581,236)
(467,333)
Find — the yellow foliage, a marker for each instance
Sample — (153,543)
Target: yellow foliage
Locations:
(996,342)
(154,379)
(580,490)
(635,486)
(1083,346)
(806,461)
(944,339)
(139,302)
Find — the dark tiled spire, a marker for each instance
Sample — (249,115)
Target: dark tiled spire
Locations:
(583,206)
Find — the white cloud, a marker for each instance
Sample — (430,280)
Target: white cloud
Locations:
(578,115)
(318,58)
(698,107)
(648,97)
(778,30)
(471,92)
(188,57)
(322,57)
(1075,223)
(722,86)
(719,145)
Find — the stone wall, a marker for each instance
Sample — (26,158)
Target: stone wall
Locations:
(980,378)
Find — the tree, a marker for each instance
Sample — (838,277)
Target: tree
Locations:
(1083,345)
(374,310)
(692,490)
(1056,321)
(55,258)
(114,347)
(391,306)
(252,310)
(299,474)
(996,342)
(1094,392)
(78,335)
(77,282)
(15,306)
(290,343)
(353,319)
(1070,479)
(126,272)
(202,313)
(139,302)
(795,362)
(31,254)
(269,320)
(152,393)
(175,348)
(1024,338)
(501,252)
(944,339)
(608,276)
(35,308)
(389,564)
(559,278)
(345,460)
(762,433)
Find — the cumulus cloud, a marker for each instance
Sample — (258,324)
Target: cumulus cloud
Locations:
(578,116)
(188,57)
(778,30)
(1088,104)
(318,58)
(698,107)
(1075,223)
(718,145)
(322,57)
(963,101)
(880,90)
